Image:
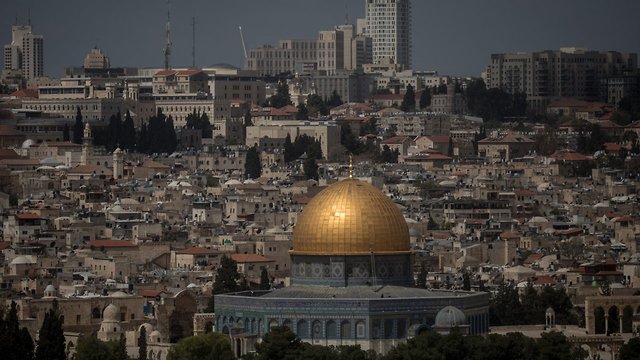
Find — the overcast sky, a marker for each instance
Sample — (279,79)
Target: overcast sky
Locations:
(453,37)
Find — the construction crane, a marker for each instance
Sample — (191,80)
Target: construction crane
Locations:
(244,47)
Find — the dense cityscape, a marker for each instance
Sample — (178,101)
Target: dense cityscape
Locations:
(323,200)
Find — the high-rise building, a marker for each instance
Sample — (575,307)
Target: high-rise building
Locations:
(389,26)
(547,75)
(25,53)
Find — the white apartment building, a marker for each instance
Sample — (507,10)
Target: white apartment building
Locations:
(25,53)
(389,26)
(551,74)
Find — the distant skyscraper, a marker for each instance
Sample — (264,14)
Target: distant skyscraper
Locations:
(389,26)
(25,53)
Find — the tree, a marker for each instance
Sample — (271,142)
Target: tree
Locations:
(90,348)
(334,100)
(212,345)
(15,343)
(466,281)
(316,105)
(247,119)
(227,276)
(388,156)
(279,343)
(409,100)
(555,346)
(122,348)
(252,166)
(281,98)
(349,140)
(303,112)
(78,127)
(421,281)
(425,98)
(310,168)
(265,282)
(630,350)
(142,344)
(505,307)
(51,342)
(128,131)
(65,133)
(289,150)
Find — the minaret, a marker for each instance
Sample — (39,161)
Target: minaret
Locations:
(87,146)
(118,163)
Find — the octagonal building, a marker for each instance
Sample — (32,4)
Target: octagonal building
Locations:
(351,280)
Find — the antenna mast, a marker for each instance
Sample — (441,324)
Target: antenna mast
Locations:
(167,46)
(244,47)
(193,50)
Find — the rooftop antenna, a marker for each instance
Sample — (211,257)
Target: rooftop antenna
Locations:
(193,50)
(346,12)
(244,47)
(167,47)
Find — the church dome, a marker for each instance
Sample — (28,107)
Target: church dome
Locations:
(350,217)
(111,313)
(449,317)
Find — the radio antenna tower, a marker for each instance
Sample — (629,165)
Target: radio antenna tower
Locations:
(167,46)
(193,50)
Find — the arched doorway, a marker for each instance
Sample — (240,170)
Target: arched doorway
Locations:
(599,319)
(614,320)
(627,319)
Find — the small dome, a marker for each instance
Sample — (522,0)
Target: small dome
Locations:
(147,327)
(550,310)
(155,336)
(119,294)
(111,313)
(21,260)
(50,291)
(28,143)
(449,317)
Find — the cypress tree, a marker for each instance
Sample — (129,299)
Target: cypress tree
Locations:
(51,342)
(265,282)
(65,133)
(78,128)
(252,166)
(142,344)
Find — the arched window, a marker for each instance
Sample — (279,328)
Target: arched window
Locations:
(302,329)
(331,329)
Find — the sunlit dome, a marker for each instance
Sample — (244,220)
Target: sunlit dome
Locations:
(350,217)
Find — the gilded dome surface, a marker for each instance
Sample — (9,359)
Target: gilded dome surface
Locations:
(350,217)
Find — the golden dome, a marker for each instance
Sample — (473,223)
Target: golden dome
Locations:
(350,217)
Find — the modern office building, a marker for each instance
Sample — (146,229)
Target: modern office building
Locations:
(389,26)
(25,53)
(548,75)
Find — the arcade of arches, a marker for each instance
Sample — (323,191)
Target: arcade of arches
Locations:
(612,314)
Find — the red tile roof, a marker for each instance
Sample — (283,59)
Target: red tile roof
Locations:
(165,73)
(28,216)
(396,140)
(4,245)
(567,155)
(25,93)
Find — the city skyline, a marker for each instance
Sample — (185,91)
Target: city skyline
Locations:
(451,38)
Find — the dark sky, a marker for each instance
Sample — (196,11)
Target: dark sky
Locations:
(453,37)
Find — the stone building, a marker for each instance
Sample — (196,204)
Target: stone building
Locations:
(351,280)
